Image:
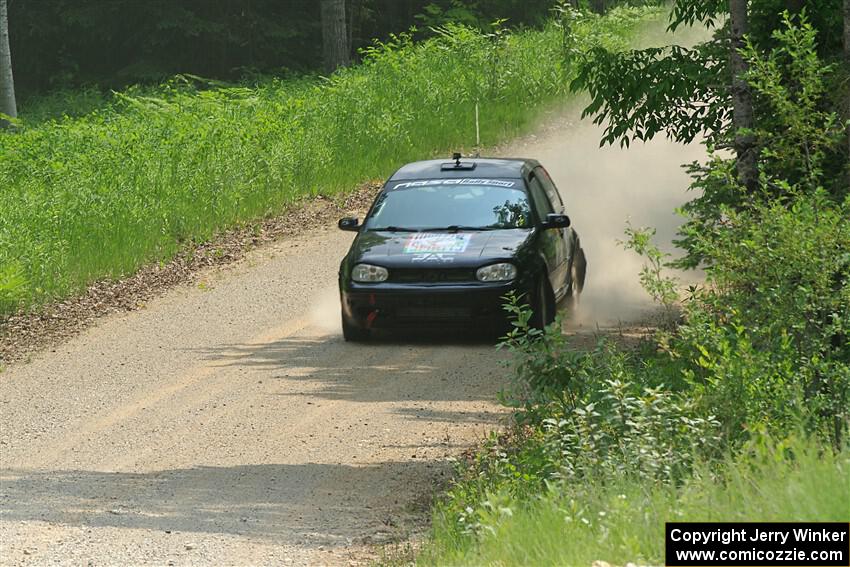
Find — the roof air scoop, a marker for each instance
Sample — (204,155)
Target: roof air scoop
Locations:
(457,164)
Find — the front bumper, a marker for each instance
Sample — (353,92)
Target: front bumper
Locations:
(393,306)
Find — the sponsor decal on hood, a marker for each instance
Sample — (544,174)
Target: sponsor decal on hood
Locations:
(439,243)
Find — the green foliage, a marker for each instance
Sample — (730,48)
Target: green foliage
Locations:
(544,367)
(621,520)
(685,93)
(641,93)
(765,345)
(663,289)
(826,17)
(61,43)
(769,338)
(12,285)
(457,12)
(602,412)
(762,353)
(691,12)
(799,133)
(100,195)
(801,140)
(59,103)
(582,417)
(592,426)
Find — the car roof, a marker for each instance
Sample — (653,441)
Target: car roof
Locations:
(506,168)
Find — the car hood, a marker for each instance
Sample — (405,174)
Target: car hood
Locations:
(445,249)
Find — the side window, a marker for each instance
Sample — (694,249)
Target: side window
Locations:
(549,187)
(542,206)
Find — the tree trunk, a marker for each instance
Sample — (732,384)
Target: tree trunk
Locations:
(847,75)
(357,11)
(334,35)
(349,25)
(742,101)
(7,82)
(598,6)
(847,31)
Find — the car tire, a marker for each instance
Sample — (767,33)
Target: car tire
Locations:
(578,271)
(544,304)
(353,334)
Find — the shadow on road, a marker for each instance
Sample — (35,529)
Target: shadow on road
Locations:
(397,371)
(314,504)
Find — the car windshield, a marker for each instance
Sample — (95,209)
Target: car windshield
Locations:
(451,204)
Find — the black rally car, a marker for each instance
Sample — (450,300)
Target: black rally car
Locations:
(444,241)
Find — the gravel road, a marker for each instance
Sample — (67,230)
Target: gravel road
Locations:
(228,423)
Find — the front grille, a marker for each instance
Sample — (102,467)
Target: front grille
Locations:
(433,275)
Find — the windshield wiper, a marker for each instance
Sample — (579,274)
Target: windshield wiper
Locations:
(393,229)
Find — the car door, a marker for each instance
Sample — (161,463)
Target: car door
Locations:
(552,240)
(555,198)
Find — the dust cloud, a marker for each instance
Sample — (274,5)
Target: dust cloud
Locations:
(603,188)
(324,311)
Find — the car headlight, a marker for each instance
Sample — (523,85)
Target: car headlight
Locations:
(496,273)
(367,273)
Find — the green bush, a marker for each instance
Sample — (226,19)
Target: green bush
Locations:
(768,342)
(602,412)
(581,417)
(621,519)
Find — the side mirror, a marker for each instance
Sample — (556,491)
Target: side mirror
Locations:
(554,220)
(349,223)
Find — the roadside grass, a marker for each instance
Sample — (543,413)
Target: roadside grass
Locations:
(99,195)
(621,519)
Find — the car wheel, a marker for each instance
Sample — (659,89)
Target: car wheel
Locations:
(353,334)
(544,305)
(578,270)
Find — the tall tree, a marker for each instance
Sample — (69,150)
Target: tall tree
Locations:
(335,46)
(847,69)
(7,82)
(847,31)
(742,100)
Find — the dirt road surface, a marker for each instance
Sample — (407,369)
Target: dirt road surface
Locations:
(228,423)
